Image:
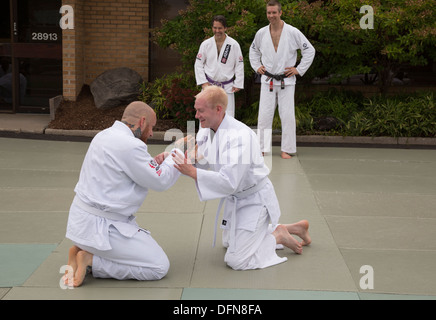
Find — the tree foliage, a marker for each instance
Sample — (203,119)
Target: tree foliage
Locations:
(403,33)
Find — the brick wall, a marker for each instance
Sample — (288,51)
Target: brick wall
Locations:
(72,53)
(107,34)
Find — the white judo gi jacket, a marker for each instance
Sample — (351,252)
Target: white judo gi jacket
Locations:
(262,52)
(222,68)
(236,166)
(114,180)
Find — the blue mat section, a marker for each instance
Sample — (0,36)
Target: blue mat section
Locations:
(19,261)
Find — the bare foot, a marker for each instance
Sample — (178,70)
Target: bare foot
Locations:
(83,259)
(285,155)
(68,277)
(283,237)
(300,229)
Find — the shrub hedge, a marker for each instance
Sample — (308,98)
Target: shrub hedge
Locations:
(333,112)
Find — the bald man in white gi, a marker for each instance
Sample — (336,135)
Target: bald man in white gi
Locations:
(273,54)
(238,176)
(114,180)
(219,62)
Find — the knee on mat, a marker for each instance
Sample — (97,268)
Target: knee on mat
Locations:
(156,271)
(236,263)
(163,268)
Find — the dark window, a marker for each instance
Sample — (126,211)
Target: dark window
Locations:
(38,21)
(30,54)
(163,61)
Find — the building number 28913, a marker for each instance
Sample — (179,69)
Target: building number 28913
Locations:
(39,36)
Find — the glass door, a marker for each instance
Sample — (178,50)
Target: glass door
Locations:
(5,58)
(34,52)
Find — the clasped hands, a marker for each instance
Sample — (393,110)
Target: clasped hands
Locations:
(184,163)
(186,145)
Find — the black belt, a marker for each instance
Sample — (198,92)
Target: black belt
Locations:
(278,77)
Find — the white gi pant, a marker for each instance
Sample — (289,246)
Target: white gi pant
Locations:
(231,104)
(267,105)
(253,250)
(138,257)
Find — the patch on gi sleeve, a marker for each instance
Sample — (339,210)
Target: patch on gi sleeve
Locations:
(153,164)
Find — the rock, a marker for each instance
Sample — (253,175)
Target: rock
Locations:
(116,87)
(326,123)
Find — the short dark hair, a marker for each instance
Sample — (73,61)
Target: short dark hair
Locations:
(221,19)
(272,3)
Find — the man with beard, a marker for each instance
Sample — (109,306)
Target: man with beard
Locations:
(114,180)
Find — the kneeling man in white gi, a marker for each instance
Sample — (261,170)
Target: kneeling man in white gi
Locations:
(239,177)
(114,180)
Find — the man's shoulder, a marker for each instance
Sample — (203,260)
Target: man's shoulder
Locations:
(208,41)
(291,29)
(232,41)
(263,30)
(118,137)
(236,125)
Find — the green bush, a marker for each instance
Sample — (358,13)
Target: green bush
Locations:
(334,103)
(411,116)
(398,116)
(172,97)
(414,115)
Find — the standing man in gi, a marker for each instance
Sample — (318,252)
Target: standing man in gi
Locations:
(114,180)
(219,62)
(273,54)
(239,176)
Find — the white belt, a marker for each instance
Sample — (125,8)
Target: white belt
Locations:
(235,197)
(97,212)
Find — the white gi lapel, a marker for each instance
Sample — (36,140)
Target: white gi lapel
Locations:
(214,51)
(225,51)
(272,52)
(268,53)
(281,49)
(222,146)
(220,56)
(277,56)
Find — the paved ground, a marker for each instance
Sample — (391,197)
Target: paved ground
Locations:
(368,207)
